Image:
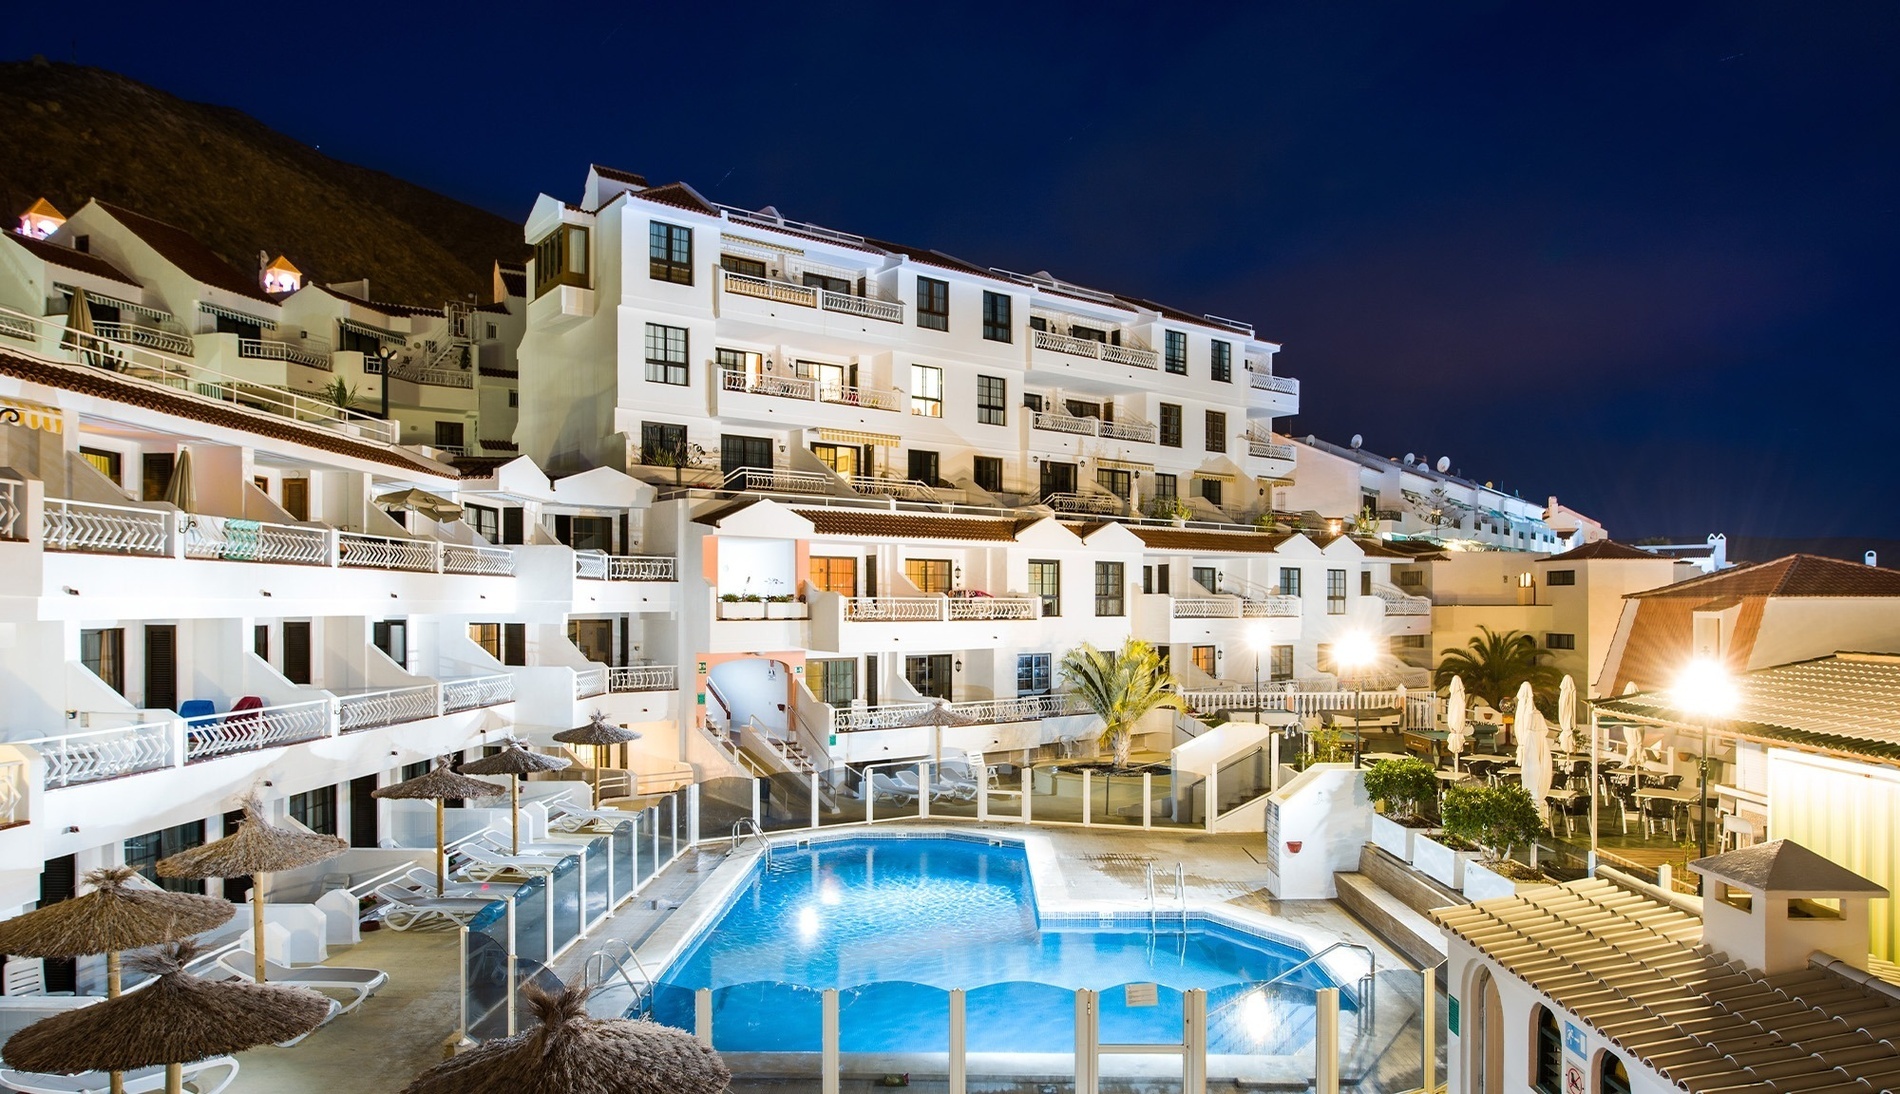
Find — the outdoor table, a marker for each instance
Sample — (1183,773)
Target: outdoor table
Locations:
(1667,794)
(1445,774)
(1381,757)
(1429,741)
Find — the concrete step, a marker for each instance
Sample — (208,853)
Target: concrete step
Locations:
(1415,890)
(1419,939)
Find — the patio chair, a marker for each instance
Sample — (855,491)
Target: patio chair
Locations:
(142,1081)
(402,909)
(1571,810)
(996,786)
(572,819)
(198,713)
(1659,811)
(358,984)
(421,882)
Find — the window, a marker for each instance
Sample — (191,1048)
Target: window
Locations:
(514,399)
(1032,673)
(1289,581)
(835,575)
(930,675)
(1045,581)
(1365,583)
(1560,577)
(561,259)
(1612,1076)
(1207,577)
(930,575)
(670,253)
(1369,501)
(666,354)
(297,651)
(297,498)
(748,267)
(1174,352)
(743,365)
(923,466)
(1203,657)
(143,852)
(1560,641)
(1415,641)
(1335,592)
(1547,1062)
(1279,663)
(1171,425)
(662,443)
(991,395)
(1032,402)
(1410,579)
(933,303)
(1088,334)
(833,680)
(996,317)
(827,283)
(926,391)
(1111,589)
(1216,431)
(1210,489)
(106,463)
(737,453)
(103,651)
(487,636)
(1223,361)
(352,340)
(315,809)
(448,435)
(260,641)
(988,473)
(485,521)
(1117,482)
(842,458)
(1166,485)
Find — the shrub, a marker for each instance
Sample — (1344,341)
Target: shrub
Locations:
(1496,818)
(1409,788)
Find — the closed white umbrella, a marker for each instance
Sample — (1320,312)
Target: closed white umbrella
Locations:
(1533,758)
(1455,720)
(1567,716)
(1632,747)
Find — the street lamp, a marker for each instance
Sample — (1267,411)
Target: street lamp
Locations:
(1704,689)
(1259,636)
(1353,652)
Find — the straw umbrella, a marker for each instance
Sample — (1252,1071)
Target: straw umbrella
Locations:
(938,714)
(598,733)
(177,1019)
(570,1053)
(440,785)
(1567,715)
(515,760)
(257,848)
(1455,720)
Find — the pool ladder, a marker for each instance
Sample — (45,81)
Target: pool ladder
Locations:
(611,960)
(1180,891)
(747,826)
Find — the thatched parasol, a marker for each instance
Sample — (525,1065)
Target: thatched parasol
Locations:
(175,1020)
(937,714)
(257,848)
(570,1053)
(600,733)
(440,785)
(515,760)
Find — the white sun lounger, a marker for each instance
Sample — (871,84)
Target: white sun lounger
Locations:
(142,1081)
(402,909)
(573,820)
(482,863)
(939,789)
(883,787)
(358,984)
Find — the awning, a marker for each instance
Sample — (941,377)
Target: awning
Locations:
(238,316)
(1223,476)
(113,301)
(373,332)
(858,436)
(30,414)
(1124,465)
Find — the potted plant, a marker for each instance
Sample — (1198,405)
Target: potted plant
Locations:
(738,606)
(782,607)
(1407,790)
(1170,507)
(1497,819)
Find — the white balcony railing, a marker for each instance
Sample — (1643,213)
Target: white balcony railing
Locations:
(938,609)
(778,387)
(1271,607)
(385,552)
(267,349)
(100,754)
(643,568)
(13,509)
(1398,603)
(867,307)
(591,565)
(106,529)
(249,730)
(902,489)
(255,541)
(766,289)
(1421,711)
(994,607)
(461,558)
(778,481)
(437,377)
(1130,430)
(1265,381)
(590,682)
(1103,504)
(135,335)
(1272,450)
(1028,708)
(643,678)
(1063,423)
(388,707)
(1138,356)
(477,691)
(1205,607)
(869,398)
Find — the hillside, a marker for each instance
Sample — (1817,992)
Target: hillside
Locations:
(72,133)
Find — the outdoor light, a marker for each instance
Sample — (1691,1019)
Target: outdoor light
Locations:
(1705,690)
(1352,652)
(1258,636)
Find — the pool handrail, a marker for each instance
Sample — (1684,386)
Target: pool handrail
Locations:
(1367,983)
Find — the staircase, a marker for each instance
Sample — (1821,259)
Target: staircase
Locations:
(1391,899)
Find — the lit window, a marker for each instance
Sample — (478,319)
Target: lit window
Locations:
(926,391)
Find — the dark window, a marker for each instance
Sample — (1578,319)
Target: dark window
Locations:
(448,435)
(991,393)
(1211,490)
(364,829)
(352,340)
(1088,334)
(297,651)
(666,354)
(161,666)
(1279,663)
(1612,1076)
(929,674)
(157,477)
(833,681)
(996,317)
(1289,581)
(1032,402)
(741,452)
(1057,478)
(1560,641)
(392,637)
(297,498)
(923,466)
(1174,352)
(1111,589)
(1335,592)
(933,303)
(1171,425)
(1223,361)
(1207,577)
(103,651)
(315,809)
(514,399)
(512,530)
(1547,1068)
(662,443)
(1032,673)
(988,473)
(1166,485)
(560,259)
(1045,581)
(485,521)
(514,643)
(260,641)
(1560,577)
(1216,431)
(670,253)
(1117,482)
(750,267)
(143,852)
(826,282)
(1365,583)
(243,328)
(1037,322)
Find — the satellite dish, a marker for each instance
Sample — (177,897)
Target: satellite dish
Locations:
(1444,464)
(1357,440)
(1410,459)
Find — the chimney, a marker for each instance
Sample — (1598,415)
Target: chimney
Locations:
(1771,906)
(1871,558)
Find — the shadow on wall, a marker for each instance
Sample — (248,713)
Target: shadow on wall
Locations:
(757,688)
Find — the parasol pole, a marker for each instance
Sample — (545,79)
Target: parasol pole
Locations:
(257,923)
(174,1079)
(514,810)
(441,852)
(599,763)
(114,981)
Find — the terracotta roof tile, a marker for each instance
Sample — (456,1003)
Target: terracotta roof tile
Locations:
(615,174)
(910,526)
(680,195)
(501,373)
(104,385)
(1795,575)
(500,446)
(1189,539)
(1604,549)
(514,279)
(183,250)
(80,261)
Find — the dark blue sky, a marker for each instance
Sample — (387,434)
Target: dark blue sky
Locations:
(1642,257)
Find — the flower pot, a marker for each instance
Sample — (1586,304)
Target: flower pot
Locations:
(1439,862)
(1484,883)
(1393,838)
(743,609)
(782,610)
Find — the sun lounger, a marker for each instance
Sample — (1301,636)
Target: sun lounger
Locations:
(402,909)
(421,882)
(884,788)
(142,1081)
(573,820)
(358,984)
(938,789)
(483,863)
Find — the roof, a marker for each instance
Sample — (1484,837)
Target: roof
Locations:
(282,263)
(1603,549)
(513,278)
(615,174)
(106,385)
(79,261)
(1784,867)
(1189,539)
(1846,702)
(908,526)
(680,195)
(183,250)
(1795,575)
(1636,970)
(43,208)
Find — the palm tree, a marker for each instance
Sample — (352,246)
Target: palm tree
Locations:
(1121,687)
(1492,665)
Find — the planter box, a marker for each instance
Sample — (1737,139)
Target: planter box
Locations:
(741,610)
(1393,838)
(785,610)
(1484,883)
(1439,862)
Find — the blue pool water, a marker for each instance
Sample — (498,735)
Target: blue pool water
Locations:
(893,924)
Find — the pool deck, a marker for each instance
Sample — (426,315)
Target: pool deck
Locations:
(405,1027)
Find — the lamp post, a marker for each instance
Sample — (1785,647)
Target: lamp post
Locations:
(1352,653)
(1258,636)
(1704,689)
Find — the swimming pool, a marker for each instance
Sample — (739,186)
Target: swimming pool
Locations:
(895,923)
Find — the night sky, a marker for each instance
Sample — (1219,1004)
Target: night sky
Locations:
(1642,257)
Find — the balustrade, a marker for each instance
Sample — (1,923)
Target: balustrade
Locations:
(367,710)
(909,609)
(767,289)
(100,754)
(459,558)
(236,540)
(110,529)
(590,682)
(1285,385)
(386,552)
(643,678)
(477,691)
(249,730)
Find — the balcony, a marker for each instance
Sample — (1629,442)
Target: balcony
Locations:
(1272,395)
(601,566)
(386,707)
(1097,504)
(1266,381)
(1133,429)
(132,334)
(643,678)
(589,682)
(1137,356)
(106,529)
(1264,444)
(1028,708)
(772,480)
(1234,607)
(939,609)
(807,389)
(267,349)
(810,296)
(1398,603)
(884,487)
